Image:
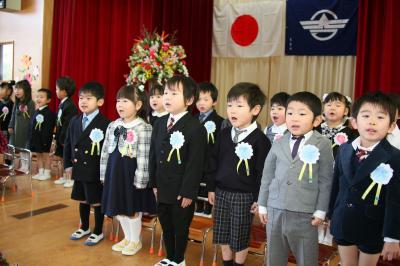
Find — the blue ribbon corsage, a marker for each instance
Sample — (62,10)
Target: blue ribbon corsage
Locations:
(39,121)
(309,155)
(381,176)
(96,135)
(210,127)
(176,140)
(244,151)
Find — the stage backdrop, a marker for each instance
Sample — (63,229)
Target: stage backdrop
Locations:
(92,39)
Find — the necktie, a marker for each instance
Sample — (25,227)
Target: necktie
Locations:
(85,121)
(362,154)
(296,145)
(237,133)
(201,117)
(171,124)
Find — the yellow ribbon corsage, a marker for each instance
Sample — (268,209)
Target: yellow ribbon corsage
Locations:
(176,140)
(96,135)
(244,151)
(309,155)
(130,139)
(381,176)
(5,112)
(39,121)
(210,127)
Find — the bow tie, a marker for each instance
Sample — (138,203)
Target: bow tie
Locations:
(120,131)
(362,154)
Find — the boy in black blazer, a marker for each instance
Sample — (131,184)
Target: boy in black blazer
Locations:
(364,205)
(65,88)
(40,133)
(82,149)
(177,154)
(209,118)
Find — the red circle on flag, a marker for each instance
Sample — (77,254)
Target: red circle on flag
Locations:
(244,30)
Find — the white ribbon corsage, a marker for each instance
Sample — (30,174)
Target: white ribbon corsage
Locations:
(381,176)
(5,112)
(309,155)
(131,138)
(210,127)
(244,151)
(96,135)
(59,114)
(176,140)
(340,138)
(39,121)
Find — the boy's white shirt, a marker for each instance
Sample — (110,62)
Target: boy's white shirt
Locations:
(318,213)
(248,130)
(277,129)
(394,137)
(176,117)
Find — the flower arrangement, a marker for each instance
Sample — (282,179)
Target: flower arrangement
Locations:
(155,57)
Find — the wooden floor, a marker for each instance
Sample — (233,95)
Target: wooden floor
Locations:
(43,239)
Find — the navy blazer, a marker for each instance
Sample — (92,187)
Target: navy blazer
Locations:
(40,138)
(354,219)
(69,110)
(171,178)
(78,146)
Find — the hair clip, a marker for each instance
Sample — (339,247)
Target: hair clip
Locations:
(141,87)
(348,98)
(324,96)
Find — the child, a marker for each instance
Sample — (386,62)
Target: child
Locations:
(124,168)
(209,118)
(156,94)
(177,155)
(364,218)
(23,109)
(41,131)
(65,88)
(296,184)
(82,148)
(6,107)
(235,170)
(336,109)
(394,136)
(277,113)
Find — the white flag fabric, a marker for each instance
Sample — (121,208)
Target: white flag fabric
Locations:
(248,29)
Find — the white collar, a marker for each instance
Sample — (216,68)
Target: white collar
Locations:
(356,144)
(177,116)
(279,129)
(339,127)
(157,114)
(136,121)
(306,136)
(247,131)
(63,100)
(41,108)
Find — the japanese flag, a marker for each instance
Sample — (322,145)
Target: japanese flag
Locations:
(248,29)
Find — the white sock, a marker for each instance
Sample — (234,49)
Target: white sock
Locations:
(135,226)
(124,225)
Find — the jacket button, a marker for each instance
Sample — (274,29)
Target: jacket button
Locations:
(75,160)
(349,205)
(162,152)
(84,162)
(76,149)
(288,183)
(86,152)
(160,162)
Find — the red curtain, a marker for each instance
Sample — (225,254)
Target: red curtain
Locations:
(92,39)
(377,55)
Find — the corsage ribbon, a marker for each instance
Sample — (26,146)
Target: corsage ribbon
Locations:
(210,127)
(39,121)
(309,155)
(339,139)
(381,176)
(96,135)
(5,113)
(244,151)
(176,140)
(130,139)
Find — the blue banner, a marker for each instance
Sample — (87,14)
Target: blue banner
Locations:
(321,27)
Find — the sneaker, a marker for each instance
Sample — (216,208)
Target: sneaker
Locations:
(183,263)
(69,183)
(37,176)
(94,239)
(120,245)
(60,181)
(78,234)
(163,262)
(132,248)
(45,176)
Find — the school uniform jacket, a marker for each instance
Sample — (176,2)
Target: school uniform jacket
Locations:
(40,137)
(68,110)
(78,147)
(169,177)
(5,119)
(354,219)
(280,187)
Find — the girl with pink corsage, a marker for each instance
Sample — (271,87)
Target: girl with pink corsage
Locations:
(124,167)
(336,126)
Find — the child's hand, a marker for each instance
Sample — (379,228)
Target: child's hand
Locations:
(185,201)
(316,221)
(10,130)
(263,218)
(391,250)
(211,197)
(254,207)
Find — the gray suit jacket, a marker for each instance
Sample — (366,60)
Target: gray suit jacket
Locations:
(280,187)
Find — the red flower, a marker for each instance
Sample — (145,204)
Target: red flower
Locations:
(165,46)
(146,46)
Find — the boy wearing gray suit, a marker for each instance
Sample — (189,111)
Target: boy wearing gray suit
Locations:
(296,184)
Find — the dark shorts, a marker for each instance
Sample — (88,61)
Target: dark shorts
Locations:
(89,192)
(369,248)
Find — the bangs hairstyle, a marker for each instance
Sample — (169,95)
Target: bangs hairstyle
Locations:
(156,89)
(280,99)
(309,99)
(8,85)
(378,99)
(26,86)
(336,96)
(132,93)
(189,87)
(46,91)
(209,87)
(94,88)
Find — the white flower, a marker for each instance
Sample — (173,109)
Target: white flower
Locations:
(382,174)
(96,135)
(39,118)
(210,127)
(309,154)
(177,139)
(244,151)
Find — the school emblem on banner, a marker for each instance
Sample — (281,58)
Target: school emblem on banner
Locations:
(317,27)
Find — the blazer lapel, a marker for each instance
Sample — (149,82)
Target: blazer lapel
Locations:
(285,147)
(180,124)
(346,157)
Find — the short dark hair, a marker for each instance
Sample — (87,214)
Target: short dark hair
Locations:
(26,86)
(189,87)
(67,84)
(378,99)
(209,87)
(395,97)
(310,99)
(94,88)
(8,85)
(250,91)
(134,94)
(336,96)
(155,88)
(280,98)
(47,92)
